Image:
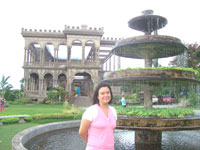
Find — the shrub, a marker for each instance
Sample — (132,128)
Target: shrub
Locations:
(40,101)
(116,99)
(58,103)
(67,106)
(28,119)
(48,102)
(10,120)
(23,101)
(193,97)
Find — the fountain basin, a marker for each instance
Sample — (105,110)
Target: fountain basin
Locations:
(154,77)
(154,134)
(25,136)
(149,46)
(158,124)
(162,73)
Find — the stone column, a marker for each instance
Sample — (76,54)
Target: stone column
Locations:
(118,62)
(150,140)
(42,55)
(148,97)
(28,56)
(69,52)
(40,89)
(55,81)
(69,81)
(110,64)
(55,55)
(83,53)
(26,84)
(31,57)
(113,62)
(25,54)
(97,54)
(95,80)
(94,54)
(148,62)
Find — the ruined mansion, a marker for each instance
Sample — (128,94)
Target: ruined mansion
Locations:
(75,57)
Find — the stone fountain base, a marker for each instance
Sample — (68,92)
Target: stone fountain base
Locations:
(150,140)
(148,130)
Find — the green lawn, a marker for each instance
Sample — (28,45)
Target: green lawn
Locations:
(32,109)
(7,132)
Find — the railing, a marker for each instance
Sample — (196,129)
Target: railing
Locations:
(85,64)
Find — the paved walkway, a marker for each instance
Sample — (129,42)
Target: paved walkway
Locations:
(82,101)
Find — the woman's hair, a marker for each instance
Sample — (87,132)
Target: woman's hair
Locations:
(96,92)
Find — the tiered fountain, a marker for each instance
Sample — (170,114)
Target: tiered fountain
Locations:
(148,131)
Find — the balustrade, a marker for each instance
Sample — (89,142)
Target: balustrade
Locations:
(72,63)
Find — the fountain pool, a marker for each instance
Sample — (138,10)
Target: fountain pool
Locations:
(68,139)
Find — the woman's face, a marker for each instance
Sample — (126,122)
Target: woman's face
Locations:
(104,95)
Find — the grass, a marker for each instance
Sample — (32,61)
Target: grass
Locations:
(7,132)
(32,109)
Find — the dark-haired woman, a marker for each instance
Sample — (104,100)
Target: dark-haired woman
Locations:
(99,120)
(2,99)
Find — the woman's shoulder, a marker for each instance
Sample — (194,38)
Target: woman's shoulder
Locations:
(112,107)
(90,113)
(91,108)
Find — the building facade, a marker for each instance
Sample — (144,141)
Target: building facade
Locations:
(74,57)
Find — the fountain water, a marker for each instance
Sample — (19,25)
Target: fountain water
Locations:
(148,131)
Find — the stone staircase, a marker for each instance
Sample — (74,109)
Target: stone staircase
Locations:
(81,101)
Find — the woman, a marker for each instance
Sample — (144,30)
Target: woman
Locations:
(99,120)
(2,102)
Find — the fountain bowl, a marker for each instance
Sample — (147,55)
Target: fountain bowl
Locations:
(154,77)
(147,23)
(20,139)
(149,46)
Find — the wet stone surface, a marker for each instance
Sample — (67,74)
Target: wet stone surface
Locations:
(68,139)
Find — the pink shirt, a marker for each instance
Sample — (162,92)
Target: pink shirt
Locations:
(101,131)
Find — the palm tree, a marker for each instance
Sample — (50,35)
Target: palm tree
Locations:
(4,85)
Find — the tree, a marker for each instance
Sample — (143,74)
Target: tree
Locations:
(22,84)
(193,56)
(57,92)
(4,85)
(179,61)
(190,58)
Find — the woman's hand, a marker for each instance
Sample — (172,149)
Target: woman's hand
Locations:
(83,130)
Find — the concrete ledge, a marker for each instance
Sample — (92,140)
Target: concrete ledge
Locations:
(21,118)
(26,135)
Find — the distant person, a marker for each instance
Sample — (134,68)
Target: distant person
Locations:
(123,101)
(99,120)
(2,102)
(78,91)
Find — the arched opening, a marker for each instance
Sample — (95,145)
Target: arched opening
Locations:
(33,82)
(62,81)
(62,53)
(84,82)
(32,54)
(49,54)
(89,50)
(48,82)
(76,50)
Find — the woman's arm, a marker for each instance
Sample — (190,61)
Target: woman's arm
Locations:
(83,130)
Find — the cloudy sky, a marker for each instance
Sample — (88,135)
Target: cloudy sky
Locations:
(183,22)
